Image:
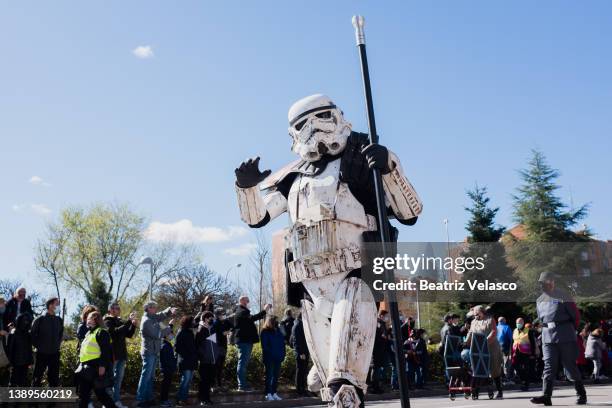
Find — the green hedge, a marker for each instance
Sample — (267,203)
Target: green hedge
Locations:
(256,370)
(436,364)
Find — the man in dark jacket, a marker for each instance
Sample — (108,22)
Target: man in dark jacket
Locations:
(221,327)
(287,324)
(119,330)
(47,336)
(245,335)
(379,354)
(298,342)
(19,350)
(16,306)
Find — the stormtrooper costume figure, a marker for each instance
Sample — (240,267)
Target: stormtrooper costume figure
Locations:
(329,196)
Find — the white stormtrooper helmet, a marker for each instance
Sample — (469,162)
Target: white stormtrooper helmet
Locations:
(317,127)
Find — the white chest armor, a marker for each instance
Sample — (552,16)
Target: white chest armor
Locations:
(327,226)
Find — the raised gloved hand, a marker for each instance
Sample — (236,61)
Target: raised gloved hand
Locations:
(248,174)
(377,157)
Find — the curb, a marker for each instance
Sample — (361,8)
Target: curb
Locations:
(435,391)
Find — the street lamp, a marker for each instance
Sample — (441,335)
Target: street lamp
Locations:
(148,261)
(445,221)
(238,265)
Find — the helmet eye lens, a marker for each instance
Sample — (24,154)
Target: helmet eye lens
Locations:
(324,115)
(300,125)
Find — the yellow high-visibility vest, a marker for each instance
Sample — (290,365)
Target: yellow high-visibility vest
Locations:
(90,349)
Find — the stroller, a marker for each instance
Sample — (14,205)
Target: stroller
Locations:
(467,370)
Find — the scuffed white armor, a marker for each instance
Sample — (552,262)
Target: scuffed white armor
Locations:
(325,235)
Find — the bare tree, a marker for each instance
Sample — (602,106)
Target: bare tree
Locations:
(168,260)
(260,260)
(49,258)
(187,287)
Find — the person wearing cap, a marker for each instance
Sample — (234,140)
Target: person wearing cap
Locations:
(47,336)
(560,317)
(152,330)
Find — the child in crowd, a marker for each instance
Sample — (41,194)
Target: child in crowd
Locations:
(168,363)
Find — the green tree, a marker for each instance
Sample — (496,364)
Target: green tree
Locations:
(538,208)
(481,225)
(484,242)
(89,246)
(549,243)
(99,296)
(96,250)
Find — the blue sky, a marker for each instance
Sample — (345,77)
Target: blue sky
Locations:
(462,92)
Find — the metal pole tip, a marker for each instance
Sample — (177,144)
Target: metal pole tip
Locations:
(359,23)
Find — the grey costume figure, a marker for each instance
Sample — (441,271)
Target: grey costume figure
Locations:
(559,316)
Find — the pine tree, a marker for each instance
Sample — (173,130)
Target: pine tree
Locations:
(539,209)
(484,242)
(481,226)
(549,243)
(99,296)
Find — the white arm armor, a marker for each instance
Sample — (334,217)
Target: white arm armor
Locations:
(254,207)
(399,193)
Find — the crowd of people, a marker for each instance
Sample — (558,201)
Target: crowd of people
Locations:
(516,352)
(199,343)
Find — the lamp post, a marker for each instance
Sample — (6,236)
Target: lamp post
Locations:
(445,221)
(148,261)
(238,265)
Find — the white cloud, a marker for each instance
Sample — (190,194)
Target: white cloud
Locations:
(143,52)
(240,250)
(17,207)
(38,181)
(40,209)
(185,232)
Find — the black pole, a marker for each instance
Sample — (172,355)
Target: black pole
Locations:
(383,221)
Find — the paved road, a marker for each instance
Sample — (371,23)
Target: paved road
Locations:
(563,397)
